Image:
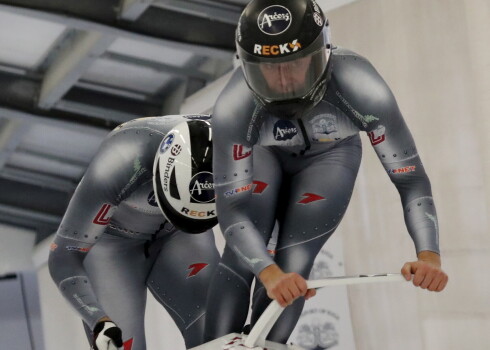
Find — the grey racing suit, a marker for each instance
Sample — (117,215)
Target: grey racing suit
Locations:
(114,243)
(304,175)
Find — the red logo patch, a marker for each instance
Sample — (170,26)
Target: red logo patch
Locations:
(128,344)
(101,218)
(376,140)
(377,136)
(310,197)
(238,152)
(195,268)
(407,169)
(259,187)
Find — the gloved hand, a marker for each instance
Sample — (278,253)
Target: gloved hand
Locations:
(107,336)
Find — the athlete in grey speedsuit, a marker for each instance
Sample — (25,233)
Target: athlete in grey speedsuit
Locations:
(300,104)
(114,243)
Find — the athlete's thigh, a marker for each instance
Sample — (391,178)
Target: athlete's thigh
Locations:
(262,209)
(180,277)
(117,269)
(267,179)
(318,198)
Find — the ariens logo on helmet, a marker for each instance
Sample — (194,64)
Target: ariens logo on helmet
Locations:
(201,187)
(274,20)
(183,177)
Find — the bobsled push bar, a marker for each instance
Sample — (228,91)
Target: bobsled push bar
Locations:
(256,339)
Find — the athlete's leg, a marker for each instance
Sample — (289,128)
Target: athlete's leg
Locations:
(117,269)
(229,292)
(228,297)
(180,277)
(318,198)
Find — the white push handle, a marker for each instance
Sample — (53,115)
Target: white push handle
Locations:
(269,317)
(346,280)
(264,325)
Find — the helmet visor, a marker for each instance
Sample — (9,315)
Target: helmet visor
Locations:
(285,80)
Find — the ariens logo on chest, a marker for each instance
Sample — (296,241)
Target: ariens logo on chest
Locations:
(284,130)
(277,50)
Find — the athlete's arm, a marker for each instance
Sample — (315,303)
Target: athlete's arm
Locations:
(413,185)
(82,226)
(236,122)
(235,131)
(371,103)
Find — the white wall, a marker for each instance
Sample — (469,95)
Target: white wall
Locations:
(435,56)
(15,248)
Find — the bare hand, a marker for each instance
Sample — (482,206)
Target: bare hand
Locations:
(427,272)
(284,287)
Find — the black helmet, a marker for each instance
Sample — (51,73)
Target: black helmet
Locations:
(284,48)
(183,177)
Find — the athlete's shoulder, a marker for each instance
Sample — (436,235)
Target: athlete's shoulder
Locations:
(235,103)
(352,70)
(358,81)
(341,53)
(233,113)
(121,156)
(236,85)
(136,141)
(128,152)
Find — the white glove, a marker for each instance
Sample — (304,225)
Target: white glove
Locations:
(107,336)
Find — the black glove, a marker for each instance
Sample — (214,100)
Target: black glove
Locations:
(107,336)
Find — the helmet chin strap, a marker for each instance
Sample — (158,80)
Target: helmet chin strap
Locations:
(290,109)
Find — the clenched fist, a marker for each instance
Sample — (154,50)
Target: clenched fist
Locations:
(427,272)
(284,287)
